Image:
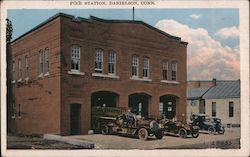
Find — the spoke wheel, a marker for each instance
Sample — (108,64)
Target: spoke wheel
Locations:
(195,133)
(143,134)
(159,134)
(182,133)
(211,130)
(105,130)
(221,130)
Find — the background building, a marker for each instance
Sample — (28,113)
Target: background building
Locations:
(217,99)
(67,65)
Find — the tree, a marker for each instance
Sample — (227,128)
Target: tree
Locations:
(9,31)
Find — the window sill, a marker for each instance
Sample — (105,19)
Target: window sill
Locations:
(46,74)
(40,75)
(170,82)
(20,80)
(76,73)
(13,81)
(141,79)
(26,79)
(13,117)
(103,75)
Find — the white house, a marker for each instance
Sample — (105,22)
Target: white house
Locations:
(219,99)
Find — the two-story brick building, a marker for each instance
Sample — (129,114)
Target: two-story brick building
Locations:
(66,65)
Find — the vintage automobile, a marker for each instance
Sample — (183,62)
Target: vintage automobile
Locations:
(179,128)
(127,123)
(208,124)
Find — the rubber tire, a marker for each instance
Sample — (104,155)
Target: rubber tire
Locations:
(105,130)
(221,131)
(143,134)
(182,133)
(159,134)
(211,130)
(195,133)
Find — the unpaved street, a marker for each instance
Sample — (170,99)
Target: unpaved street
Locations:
(227,140)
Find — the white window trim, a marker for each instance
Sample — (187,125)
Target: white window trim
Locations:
(104,75)
(141,79)
(137,67)
(79,57)
(99,50)
(147,68)
(46,74)
(170,82)
(175,71)
(113,74)
(75,72)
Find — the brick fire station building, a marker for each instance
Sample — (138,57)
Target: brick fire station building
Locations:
(67,64)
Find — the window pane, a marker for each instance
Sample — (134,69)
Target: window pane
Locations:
(99,61)
(75,58)
(134,68)
(19,69)
(40,70)
(213,109)
(145,67)
(174,71)
(165,70)
(111,64)
(231,109)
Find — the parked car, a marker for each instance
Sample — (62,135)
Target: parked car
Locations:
(129,124)
(179,128)
(206,123)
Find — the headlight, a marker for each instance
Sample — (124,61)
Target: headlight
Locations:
(154,125)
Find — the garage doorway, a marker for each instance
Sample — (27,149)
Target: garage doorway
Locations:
(75,119)
(139,104)
(168,106)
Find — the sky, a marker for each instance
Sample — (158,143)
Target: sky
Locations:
(212,34)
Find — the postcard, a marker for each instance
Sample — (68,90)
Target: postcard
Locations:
(125,78)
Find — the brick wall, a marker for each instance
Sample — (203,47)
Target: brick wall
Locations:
(39,97)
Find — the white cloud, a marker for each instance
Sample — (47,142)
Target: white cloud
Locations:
(228,32)
(195,16)
(206,57)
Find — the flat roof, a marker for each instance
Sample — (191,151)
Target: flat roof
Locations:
(92,18)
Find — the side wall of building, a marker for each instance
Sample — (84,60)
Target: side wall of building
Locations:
(222,109)
(37,98)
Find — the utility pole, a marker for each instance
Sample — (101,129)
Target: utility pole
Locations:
(133,13)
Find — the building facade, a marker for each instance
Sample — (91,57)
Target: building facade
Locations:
(219,98)
(67,65)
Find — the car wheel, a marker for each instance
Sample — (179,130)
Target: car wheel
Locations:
(159,134)
(143,134)
(183,133)
(221,130)
(105,130)
(211,130)
(195,133)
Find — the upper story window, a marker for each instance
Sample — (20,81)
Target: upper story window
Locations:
(134,67)
(75,58)
(46,61)
(174,71)
(145,70)
(99,61)
(165,70)
(213,109)
(40,63)
(13,71)
(19,69)
(26,67)
(112,62)
(231,109)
